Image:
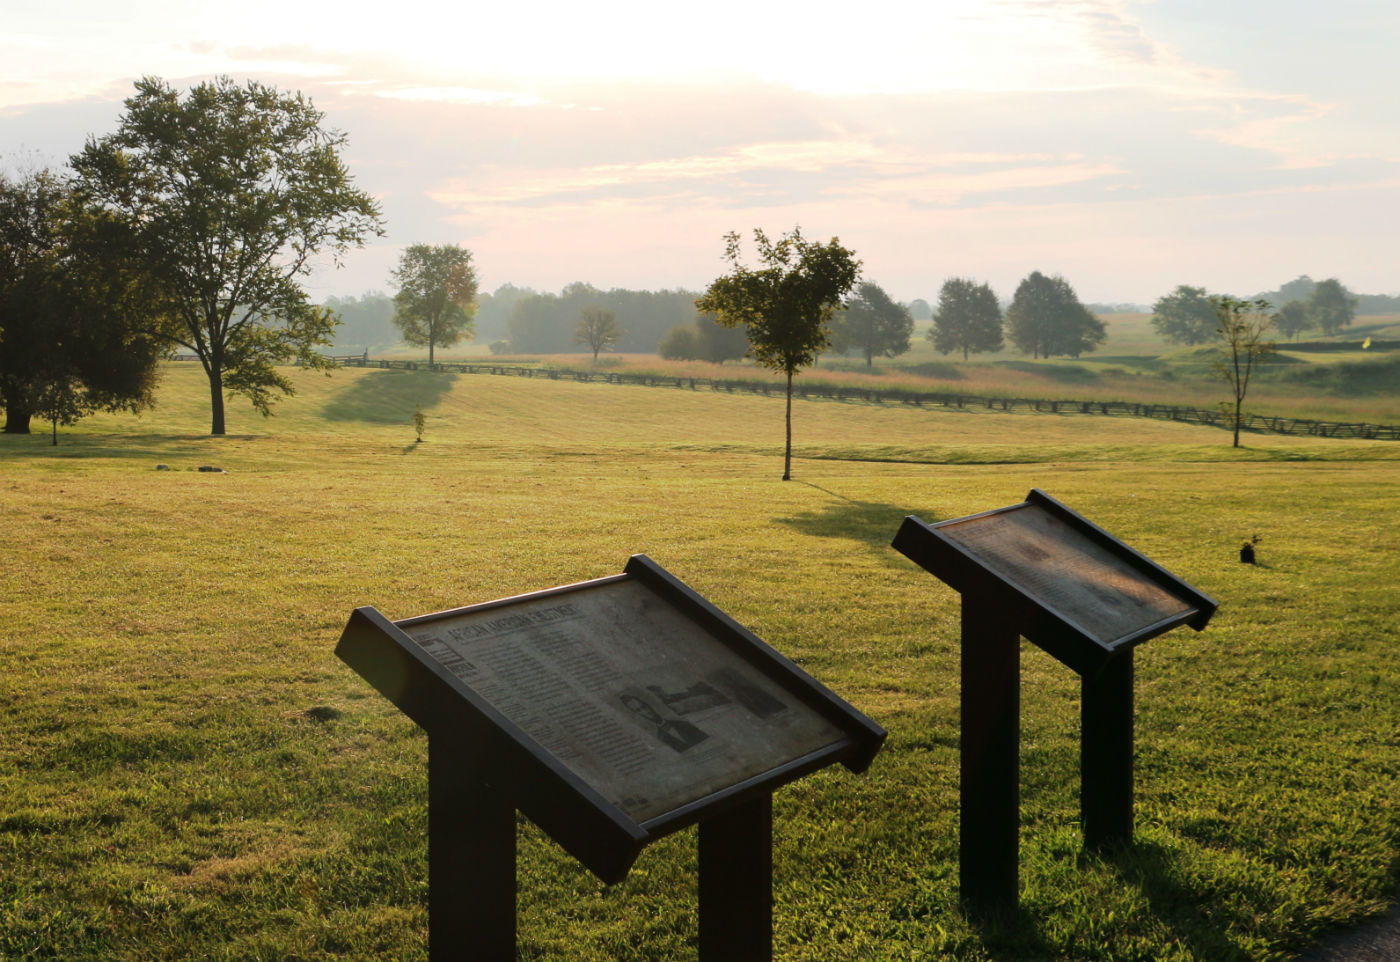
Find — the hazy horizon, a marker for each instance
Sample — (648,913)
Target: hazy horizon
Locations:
(1129,146)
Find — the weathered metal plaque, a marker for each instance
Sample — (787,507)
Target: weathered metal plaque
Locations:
(611,712)
(1039,570)
(1069,586)
(641,703)
(1058,568)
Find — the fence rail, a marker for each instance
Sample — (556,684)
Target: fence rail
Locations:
(1162,412)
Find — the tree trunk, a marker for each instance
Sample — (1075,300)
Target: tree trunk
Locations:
(787,451)
(55,432)
(430,353)
(216,400)
(1238,402)
(17,413)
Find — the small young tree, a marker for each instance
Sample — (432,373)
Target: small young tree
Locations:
(436,301)
(597,327)
(786,303)
(1185,316)
(1242,326)
(59,398)
(968,318)
(680,344)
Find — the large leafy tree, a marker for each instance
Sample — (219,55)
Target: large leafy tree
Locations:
(1185,316)
(29,207)
(717,343)
(1243,327)
(597,327)
(874,324)
(786,302)
(1292,319)
(968,318)
(919,309)
(1331,307)
(1046,319)
(226,194)
(1298,289)
(436,302)
(681,343)
(75,304)
(705,340)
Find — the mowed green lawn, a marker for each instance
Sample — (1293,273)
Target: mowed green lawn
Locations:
(187,771)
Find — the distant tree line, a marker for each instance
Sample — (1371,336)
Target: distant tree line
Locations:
(366,322)
(705,340)
(1301,288)
(546,323)
(1044,319)
(1188,315)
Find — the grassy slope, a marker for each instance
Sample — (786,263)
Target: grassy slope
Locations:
(1133,364)
(187,771)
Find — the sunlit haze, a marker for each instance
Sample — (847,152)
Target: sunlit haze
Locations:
(1130,146)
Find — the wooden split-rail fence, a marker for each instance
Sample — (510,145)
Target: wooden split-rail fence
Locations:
(1163,412)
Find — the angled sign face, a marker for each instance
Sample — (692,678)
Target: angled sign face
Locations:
(1080,593)
(611,712)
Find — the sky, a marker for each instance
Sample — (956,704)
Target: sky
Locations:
(1127,145)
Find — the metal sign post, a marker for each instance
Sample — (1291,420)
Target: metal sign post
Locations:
(611,713)
(1038,570)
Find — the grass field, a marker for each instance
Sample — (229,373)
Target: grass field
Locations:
(1133,364)
(187,771)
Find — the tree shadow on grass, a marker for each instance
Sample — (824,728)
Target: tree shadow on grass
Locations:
(866,522)
(942,370)
(1066,373)
(388,396)
(181,450)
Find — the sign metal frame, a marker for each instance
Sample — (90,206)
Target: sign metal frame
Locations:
(1029,570)
(483,767)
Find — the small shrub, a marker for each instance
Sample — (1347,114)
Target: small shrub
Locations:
(680,344)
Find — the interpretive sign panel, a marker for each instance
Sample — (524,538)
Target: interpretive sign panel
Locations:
(610,712)
(1061,570)
(1039,570)
(1086,593)
(637,700)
